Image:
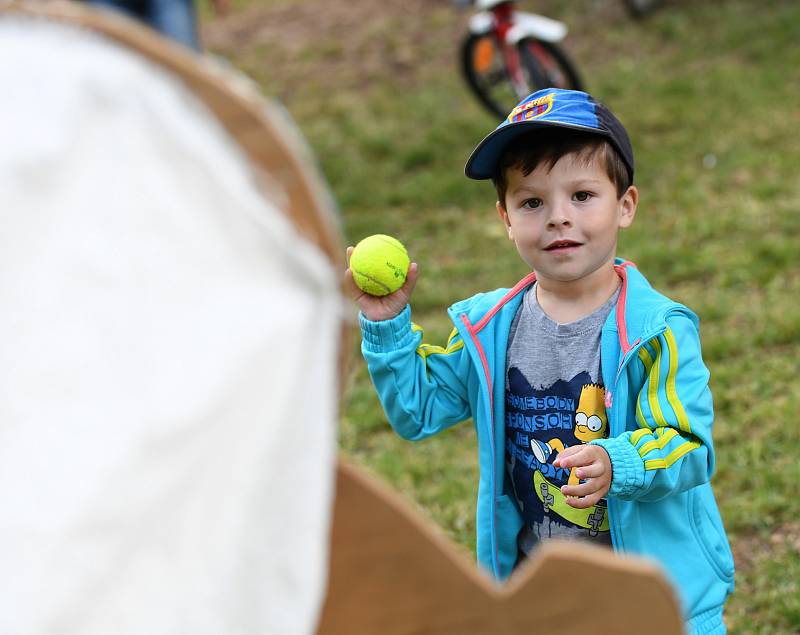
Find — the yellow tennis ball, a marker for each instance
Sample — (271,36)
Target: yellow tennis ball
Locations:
(379,264)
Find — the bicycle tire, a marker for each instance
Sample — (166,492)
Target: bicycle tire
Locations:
(553,64)
(545,64)
(488,79)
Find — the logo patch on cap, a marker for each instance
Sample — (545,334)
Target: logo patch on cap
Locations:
(532,109)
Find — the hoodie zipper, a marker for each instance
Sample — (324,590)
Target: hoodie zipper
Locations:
(473,334)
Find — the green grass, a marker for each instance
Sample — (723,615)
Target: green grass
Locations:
(709,92)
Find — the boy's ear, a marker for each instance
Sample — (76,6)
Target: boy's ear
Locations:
(504,215)
(628,204)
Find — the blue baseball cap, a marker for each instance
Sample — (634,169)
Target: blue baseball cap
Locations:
(551,108)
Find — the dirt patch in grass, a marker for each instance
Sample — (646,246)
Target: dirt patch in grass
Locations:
(749,551)
(340,44)
(349,44)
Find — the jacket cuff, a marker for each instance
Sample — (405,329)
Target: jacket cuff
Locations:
(627,467)
(386,335)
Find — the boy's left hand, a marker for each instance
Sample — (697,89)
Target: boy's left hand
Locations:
(593,465)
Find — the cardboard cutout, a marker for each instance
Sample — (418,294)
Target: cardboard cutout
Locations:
(394,573)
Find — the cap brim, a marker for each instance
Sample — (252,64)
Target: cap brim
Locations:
(482,163)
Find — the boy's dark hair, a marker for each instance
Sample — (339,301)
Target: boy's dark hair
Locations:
(528,151)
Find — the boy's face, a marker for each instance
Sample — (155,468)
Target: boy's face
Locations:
(565,221)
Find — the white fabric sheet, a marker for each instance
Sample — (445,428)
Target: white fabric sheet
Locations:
(167,371)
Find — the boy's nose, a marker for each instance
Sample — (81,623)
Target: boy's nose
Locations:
(559,217)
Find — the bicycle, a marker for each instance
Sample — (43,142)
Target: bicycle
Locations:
(508,54)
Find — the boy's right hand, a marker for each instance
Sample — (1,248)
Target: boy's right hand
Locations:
(377,308)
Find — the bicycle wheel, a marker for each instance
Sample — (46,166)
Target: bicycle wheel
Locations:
(548,66)
(485,71)
(484,66)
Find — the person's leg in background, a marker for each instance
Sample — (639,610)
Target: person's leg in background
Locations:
(176,19)
(133,8)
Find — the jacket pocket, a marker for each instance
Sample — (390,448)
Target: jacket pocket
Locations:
(710,533)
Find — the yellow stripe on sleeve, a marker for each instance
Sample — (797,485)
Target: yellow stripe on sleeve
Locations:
(652,389)
(647,360)
(681,450)
(644,355)
(665,436)
(423,350)
(652,365)
(672,393)
(453,333)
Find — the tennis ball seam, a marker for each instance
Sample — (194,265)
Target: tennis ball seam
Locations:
(394,244)
(375,280)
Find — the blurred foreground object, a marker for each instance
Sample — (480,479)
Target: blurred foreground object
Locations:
(169,280)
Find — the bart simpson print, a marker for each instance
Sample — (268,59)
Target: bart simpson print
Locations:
(591,423)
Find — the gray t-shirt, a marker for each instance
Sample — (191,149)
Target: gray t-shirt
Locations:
(554,399)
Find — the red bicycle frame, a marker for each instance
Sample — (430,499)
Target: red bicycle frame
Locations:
(503,21)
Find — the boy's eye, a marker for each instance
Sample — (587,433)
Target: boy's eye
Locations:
(582,197)
(531,203)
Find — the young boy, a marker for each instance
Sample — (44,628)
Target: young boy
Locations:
(586,386)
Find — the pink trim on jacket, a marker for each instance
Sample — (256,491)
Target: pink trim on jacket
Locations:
(622,327)
(526,281)
(473,333)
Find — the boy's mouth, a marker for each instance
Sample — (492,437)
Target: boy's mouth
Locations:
(558,245)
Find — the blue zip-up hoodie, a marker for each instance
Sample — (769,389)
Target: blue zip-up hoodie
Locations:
(660,414)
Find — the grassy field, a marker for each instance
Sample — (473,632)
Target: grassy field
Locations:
(710,93)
